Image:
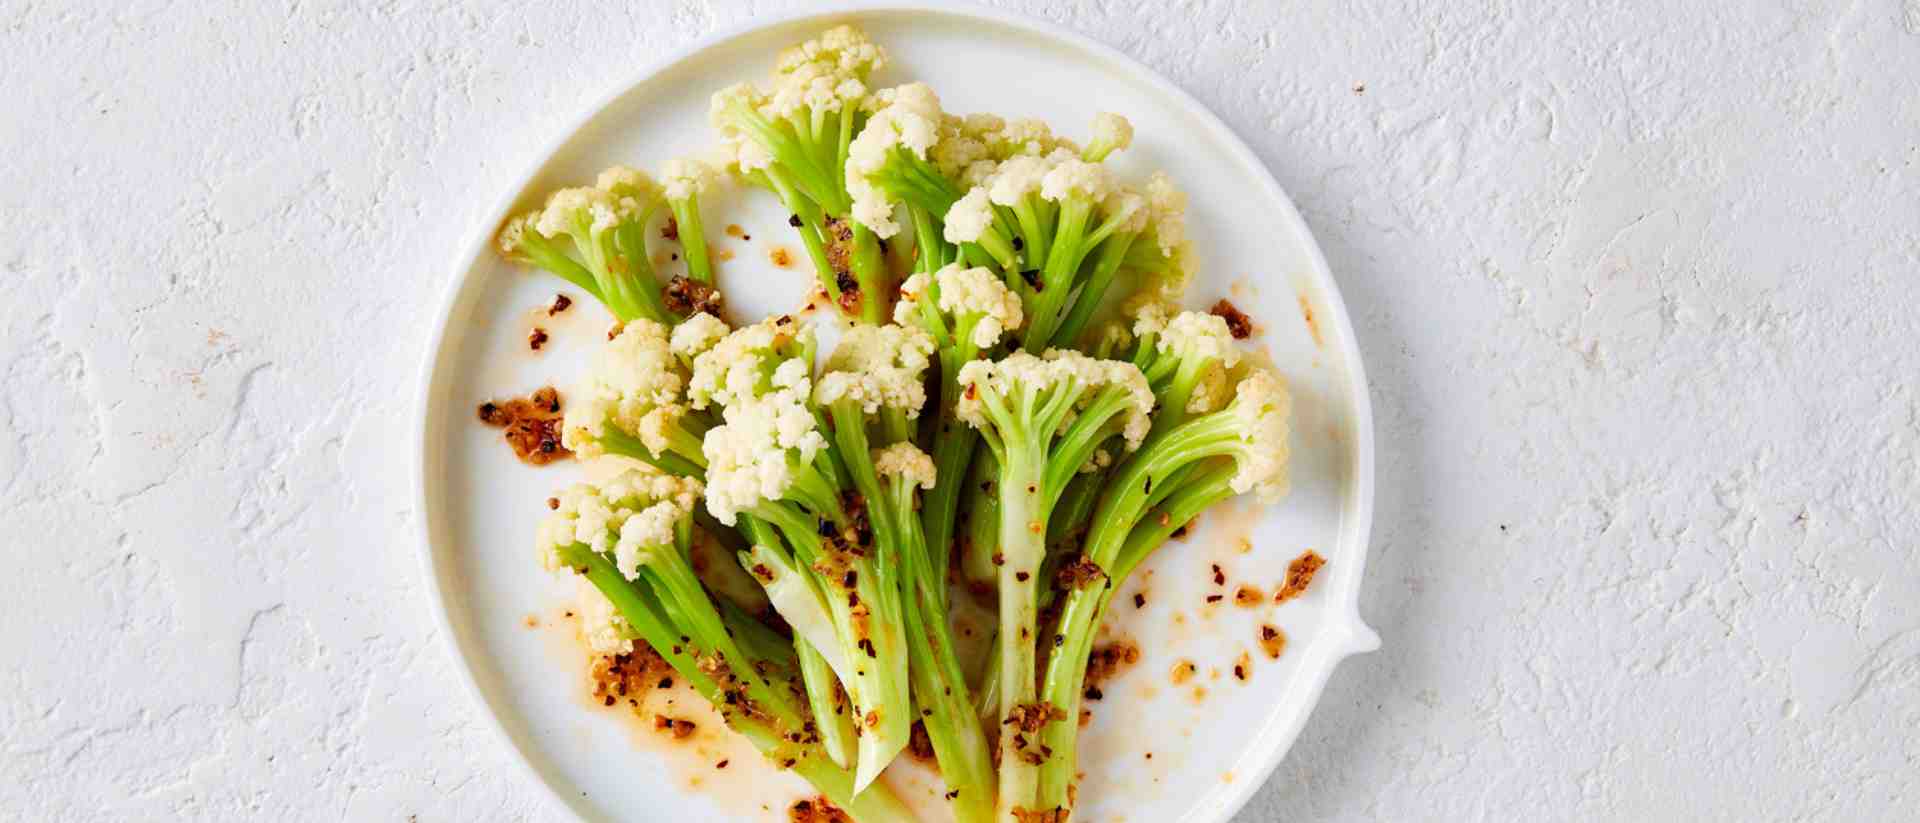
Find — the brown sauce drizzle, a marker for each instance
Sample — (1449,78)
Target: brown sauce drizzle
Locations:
(816,810)
(686,296)
(627,678)
(1300,575)
(531,424)
(1273,641)
(1107,661)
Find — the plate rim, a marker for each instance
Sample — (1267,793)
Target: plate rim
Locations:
(1346,633)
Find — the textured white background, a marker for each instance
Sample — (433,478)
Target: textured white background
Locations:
(1637,286)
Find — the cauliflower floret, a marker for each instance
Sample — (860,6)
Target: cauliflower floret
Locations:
(1136,419)
(1199,335)
(581,517)
(646,531)
(647,485)
(969,217)
(1023,137)
(597,516)
(909,122)
(1150,312)
(622,181)
(1209,393)
(580,214)
(1127,209)
(741,364)
(744,154)
(1168,213)
(697,334)
(907,461)
(657,426)
(906,310)
(970,408)
(513,235)
(977,291)
(1194,340)
(1021,372)
(1018,177)
(1111,133)
(750,457)
(1077,178)
(957,149)
(687,177)
(879,366)
(846,48)
(870,348)
(819,78)
(978,173)
(741,95)
(973,295)
(825,73)
(791,374)
(982,125)
(565,207)
(1262,404)
(631,382)
(605,631)
(817,87)
(871,208)
(728,381)
(1055,176)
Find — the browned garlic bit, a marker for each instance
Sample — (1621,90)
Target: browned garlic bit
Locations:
(532,425)
(1300,575)
(1238,323)
(1273,641)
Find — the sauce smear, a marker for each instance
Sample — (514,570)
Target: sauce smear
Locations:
(531,424)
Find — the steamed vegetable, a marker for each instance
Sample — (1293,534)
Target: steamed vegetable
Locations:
(1196,455)
(771,459)
(793,140)
(596,237)
(967,311)
(630,538)
(1042,418)
(995,417)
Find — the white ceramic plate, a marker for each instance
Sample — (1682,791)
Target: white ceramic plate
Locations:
(1155,751)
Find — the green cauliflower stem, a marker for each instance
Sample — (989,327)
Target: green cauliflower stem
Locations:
(630,537)
(596,237)
(794,140)
(1177,473)
(1041,418)
(770,459)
